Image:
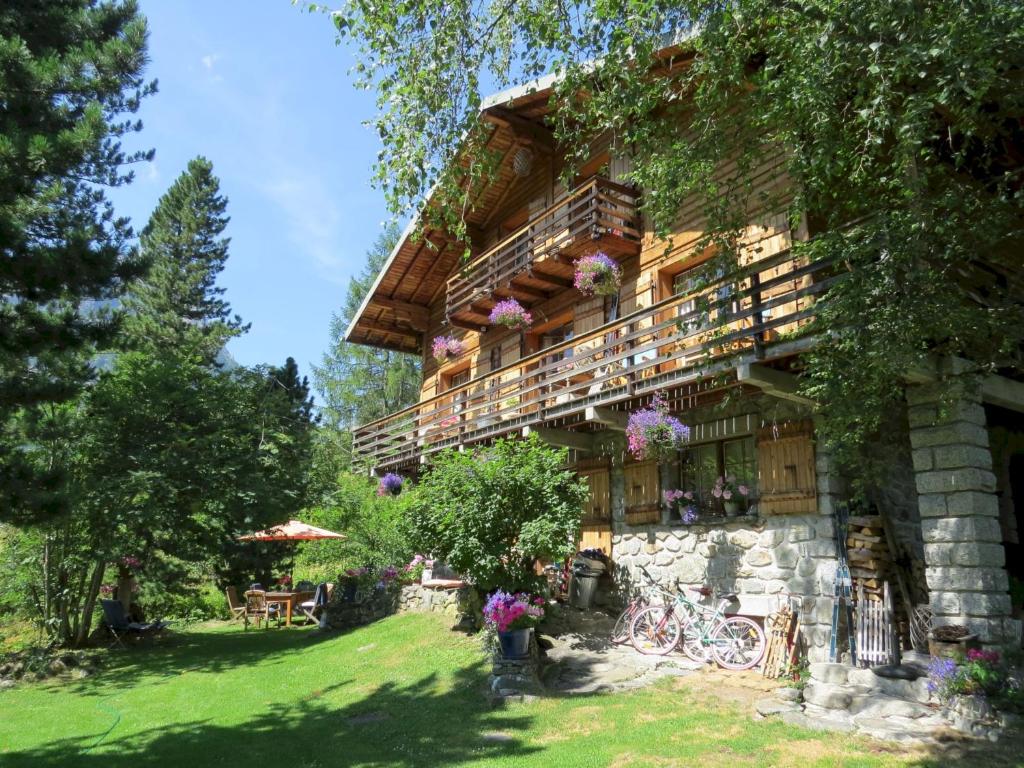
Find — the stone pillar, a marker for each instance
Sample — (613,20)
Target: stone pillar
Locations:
(963,551)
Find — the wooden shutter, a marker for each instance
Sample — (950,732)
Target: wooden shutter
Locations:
(596,528)
(787,484)
(642,493)
(597,508)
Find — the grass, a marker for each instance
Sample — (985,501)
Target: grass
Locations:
(402,692)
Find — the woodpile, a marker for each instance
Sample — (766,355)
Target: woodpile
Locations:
(869,555)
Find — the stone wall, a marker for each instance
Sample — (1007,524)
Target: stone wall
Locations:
(373,606)
(963,550)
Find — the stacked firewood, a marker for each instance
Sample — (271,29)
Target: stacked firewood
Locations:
(869,555)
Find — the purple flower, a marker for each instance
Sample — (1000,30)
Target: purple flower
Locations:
(510,313)
(390,484)
(597,273)
(744,490)
(690,515)
(671,497)
(726,494)
(653,433)
(716,492)
(445,348)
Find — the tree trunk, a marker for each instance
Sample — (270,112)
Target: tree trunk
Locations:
(90,602)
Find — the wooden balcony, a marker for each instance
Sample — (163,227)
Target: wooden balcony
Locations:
(684,345)
(536,261)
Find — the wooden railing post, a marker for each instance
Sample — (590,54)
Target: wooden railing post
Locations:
(758,316)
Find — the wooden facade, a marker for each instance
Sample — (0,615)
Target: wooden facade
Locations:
(675,327)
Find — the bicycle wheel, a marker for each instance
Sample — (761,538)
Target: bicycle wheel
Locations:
(695,643)
(620,632)
(737,643)
(655,630)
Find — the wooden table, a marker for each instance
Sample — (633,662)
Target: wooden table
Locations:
(288,600)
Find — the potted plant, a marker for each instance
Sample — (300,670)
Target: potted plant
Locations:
(446,348)
(597,274)
(684,502)
(654,434)
(731,493)
(390,485)
(510,314)
(967,684)
(513,616)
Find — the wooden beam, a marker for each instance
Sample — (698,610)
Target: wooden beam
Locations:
(555,280)
(611,418)
(418,316)
(562,438)
(527,293)
(1004,392)
(373,325)
(525,130)
(772,381)
(468,325)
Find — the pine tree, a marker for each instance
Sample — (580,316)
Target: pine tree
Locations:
(360,383)
(179,305)
(70,75)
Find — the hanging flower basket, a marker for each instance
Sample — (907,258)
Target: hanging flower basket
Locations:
(598,274)
(390,485)
(653,434)
(446,349)
(510,313)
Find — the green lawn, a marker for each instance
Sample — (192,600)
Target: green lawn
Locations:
(403,692)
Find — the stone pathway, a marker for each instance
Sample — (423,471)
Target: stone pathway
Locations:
(580,659)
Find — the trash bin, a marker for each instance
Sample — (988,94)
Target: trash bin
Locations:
(586,571)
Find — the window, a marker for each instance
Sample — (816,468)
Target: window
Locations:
(495,357)
(700,466)
(611,308)
(458,378)
(693,280)
(557,336)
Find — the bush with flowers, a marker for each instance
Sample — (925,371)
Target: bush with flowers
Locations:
(654,434)
(414,569)
(597,274)
(979,673)
(510,314)
(508,611)
(445,348)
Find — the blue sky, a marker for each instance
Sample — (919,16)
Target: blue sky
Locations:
(260,88)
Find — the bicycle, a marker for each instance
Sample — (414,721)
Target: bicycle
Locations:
(703,632)
(620,632)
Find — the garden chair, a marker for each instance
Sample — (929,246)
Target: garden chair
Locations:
(313,608)
(119,627)
(257,607)
(235,604)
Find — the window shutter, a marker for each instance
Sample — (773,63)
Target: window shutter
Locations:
(597,507)
(642,493)
(786,479)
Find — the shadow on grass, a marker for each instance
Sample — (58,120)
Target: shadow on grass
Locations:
(413,725)
(195,652)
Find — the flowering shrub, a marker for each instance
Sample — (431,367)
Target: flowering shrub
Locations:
(506,611)
(727,489)
(107,589)
(130,563)
(653,434)
(390,485)
(979,673)
(690,515)
(415,567)
(510,313)
(598,274)
(445,348)
(285,581)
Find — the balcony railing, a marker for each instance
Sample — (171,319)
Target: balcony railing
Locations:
(534,260)
(752,314)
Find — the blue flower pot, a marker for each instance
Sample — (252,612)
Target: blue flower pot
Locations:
(515,644)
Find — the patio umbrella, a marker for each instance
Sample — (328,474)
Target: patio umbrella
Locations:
(293,530)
